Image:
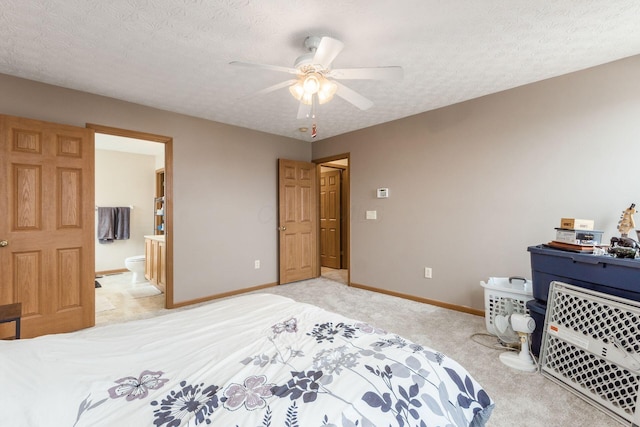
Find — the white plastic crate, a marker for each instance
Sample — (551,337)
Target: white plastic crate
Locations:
(497,293)
(591,346)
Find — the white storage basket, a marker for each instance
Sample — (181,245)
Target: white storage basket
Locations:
(497,292)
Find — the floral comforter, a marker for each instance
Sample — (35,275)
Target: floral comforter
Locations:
(254,360)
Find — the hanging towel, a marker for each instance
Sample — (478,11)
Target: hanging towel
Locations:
(123,215)
(106,224)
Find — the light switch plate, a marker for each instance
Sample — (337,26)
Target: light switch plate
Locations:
(372,215)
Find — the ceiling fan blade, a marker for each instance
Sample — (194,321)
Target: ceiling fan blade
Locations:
(373,73)
(265,67)
(353,97)
(268,89)
(304,110)
(327,51)
(275,87)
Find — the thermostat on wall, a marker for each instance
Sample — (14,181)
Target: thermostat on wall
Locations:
(383,193)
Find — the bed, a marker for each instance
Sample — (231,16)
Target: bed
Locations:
(253,360)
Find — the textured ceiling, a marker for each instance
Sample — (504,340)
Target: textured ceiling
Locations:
(175,54)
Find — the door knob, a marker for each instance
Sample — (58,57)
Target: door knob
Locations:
(283,228)
(3,243)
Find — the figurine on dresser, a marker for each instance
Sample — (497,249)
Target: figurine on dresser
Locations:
(624,246)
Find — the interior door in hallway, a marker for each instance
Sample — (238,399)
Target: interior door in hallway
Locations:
(330,244)
(297,216)
(47,224)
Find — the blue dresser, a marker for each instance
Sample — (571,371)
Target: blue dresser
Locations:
(614,276)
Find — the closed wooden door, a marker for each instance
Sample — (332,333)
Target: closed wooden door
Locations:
(330,247)
(47,218)
(297,215)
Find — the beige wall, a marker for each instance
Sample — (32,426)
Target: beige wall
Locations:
(125,179)
(473,185)
(225,183)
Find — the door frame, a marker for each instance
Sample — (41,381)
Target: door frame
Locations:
(347,206)
(168,188)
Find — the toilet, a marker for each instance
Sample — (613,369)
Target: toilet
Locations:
(136,264)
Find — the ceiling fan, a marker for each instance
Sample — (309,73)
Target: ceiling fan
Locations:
(315,82)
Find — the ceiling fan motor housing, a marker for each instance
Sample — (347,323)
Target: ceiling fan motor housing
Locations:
(304,62)
(311,43)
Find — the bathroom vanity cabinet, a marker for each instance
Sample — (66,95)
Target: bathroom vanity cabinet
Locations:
(155,257)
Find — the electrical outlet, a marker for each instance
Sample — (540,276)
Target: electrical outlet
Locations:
(428,273)
(256,264)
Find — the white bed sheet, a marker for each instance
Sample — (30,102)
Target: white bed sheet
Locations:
(253,360)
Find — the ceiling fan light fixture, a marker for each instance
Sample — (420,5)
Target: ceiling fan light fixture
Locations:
(313,84)
(297,90)
(326,92)
(307,99)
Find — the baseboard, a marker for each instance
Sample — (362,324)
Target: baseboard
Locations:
(446,305)
(108,272)
(455,307)
(222,295)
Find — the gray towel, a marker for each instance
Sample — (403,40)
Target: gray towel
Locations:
(106,224)
(123,215)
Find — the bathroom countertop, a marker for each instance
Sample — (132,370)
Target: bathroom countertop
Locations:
(159,237)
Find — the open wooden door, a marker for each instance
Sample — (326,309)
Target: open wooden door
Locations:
(297,215)
(47,217)
(330,247)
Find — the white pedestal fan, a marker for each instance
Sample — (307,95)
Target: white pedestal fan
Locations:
(516,326)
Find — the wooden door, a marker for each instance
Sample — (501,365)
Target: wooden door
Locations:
(297,215)
(330,242)
(47,218)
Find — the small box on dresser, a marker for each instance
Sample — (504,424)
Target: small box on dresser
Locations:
(578,237)
(577,224)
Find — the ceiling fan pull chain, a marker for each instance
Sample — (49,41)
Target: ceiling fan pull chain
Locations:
(314,104)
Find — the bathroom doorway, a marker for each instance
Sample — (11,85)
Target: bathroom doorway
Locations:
(127,168)
(334,196)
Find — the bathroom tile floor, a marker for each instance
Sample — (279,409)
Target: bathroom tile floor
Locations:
(340,276)
(119,300)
